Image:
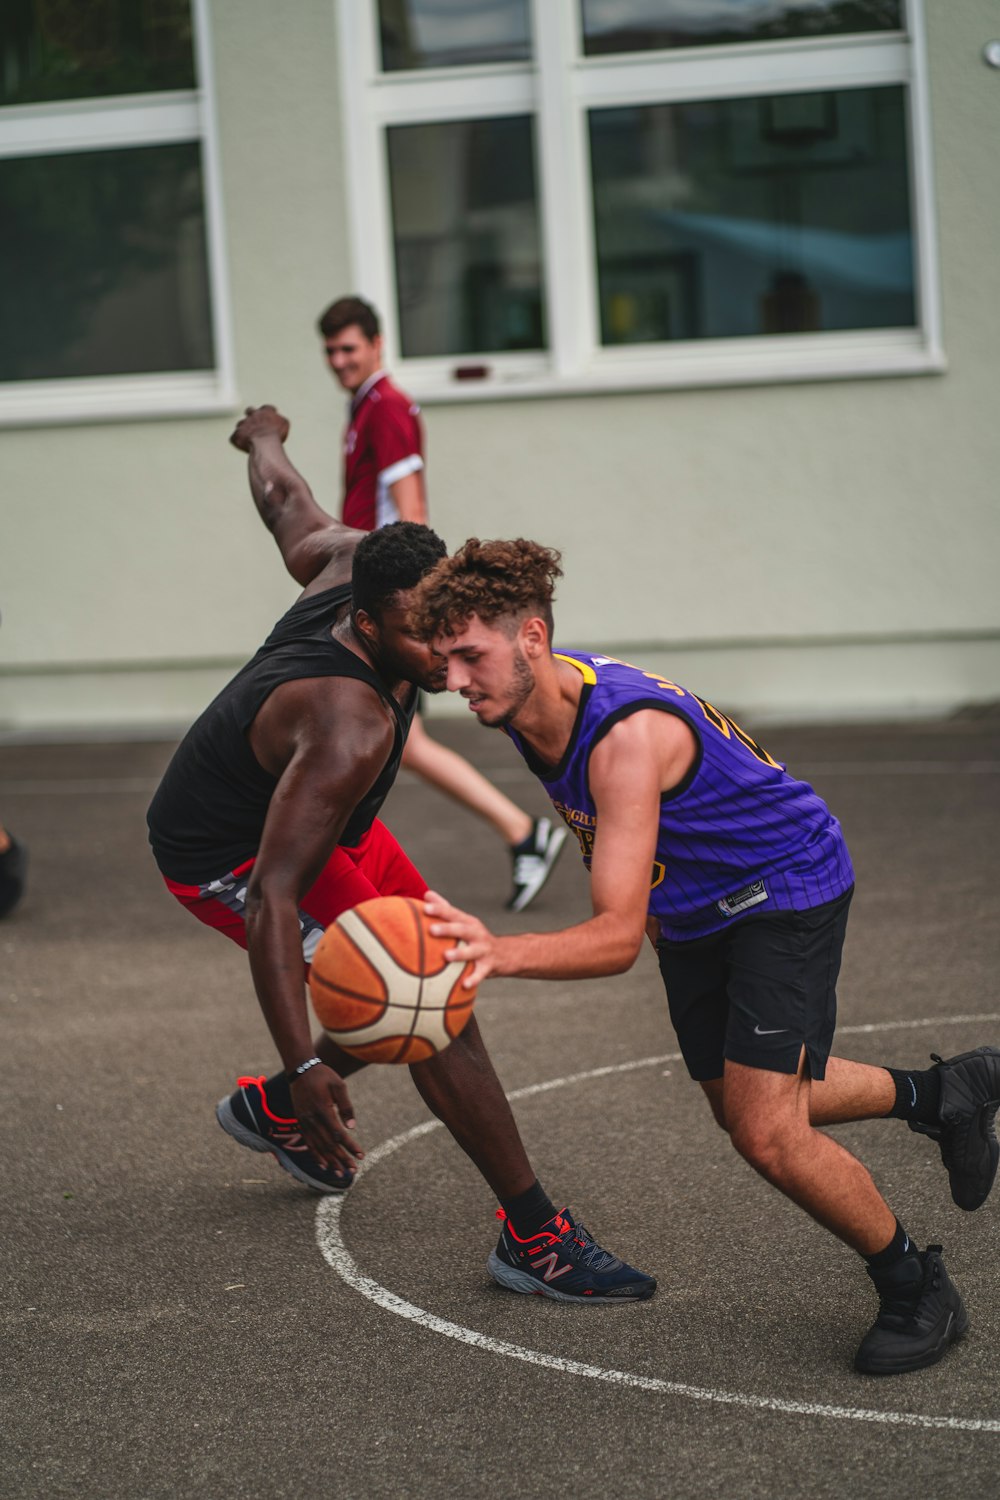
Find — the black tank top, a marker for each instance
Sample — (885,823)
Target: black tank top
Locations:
(208,813)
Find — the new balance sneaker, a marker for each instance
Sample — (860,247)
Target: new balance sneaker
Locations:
(247,1117)
(970,1095)
(534,861)
(562,1261)
(13,873)
(920,1316)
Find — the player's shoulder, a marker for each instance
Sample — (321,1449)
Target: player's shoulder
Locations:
(386,393)
(330,717)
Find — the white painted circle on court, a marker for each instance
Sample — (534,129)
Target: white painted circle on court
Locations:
(337,1256)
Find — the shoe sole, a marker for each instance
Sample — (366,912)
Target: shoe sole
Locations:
(955,1330)
(227,1119)
(970,1191)
(556,840)
(962,1195)
(520,1281)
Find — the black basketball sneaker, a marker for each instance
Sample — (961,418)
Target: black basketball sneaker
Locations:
(247,1116)
(564,1262)
(966,1134)
(920,1316)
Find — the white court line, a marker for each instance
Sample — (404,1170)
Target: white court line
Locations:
(338,1257)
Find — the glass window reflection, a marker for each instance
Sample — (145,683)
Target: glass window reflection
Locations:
(639,25)
(770,215)
(81,49)
(443,34)
(466,236)
(104,269)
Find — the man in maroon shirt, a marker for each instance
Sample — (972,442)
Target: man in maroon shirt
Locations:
(384,482)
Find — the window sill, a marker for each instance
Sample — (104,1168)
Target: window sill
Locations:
(690,367)
(126,398)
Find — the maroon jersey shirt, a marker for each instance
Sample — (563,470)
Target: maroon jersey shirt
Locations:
(383,443)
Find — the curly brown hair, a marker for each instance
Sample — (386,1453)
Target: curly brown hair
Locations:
(501,582)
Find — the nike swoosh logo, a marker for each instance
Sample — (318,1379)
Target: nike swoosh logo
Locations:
(769,1031)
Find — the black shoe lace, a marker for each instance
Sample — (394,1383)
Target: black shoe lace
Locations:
(901,1305)
(581,1246)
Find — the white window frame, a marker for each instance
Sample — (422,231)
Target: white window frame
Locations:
(558,87)
(94,124)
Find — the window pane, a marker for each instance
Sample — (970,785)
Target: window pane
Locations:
(73,49)
(734,217)
(637,25)
(465,229)
(441,34)
(103,270)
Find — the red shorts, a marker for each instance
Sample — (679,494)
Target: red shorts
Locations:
(375,867)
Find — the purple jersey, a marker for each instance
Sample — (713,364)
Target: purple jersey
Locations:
(737,835)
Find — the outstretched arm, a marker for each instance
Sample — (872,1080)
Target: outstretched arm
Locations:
(308,538)
(640,758)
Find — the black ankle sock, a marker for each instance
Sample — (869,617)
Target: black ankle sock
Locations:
(279,1095)
(898,1246)
(918,1094)
(529,1211)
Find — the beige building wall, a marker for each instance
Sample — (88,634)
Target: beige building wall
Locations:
(825,548)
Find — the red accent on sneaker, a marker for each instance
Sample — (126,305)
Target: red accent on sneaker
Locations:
(544,1235)
(501,1215)
(278,1119)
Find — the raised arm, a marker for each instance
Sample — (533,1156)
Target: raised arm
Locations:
(309,539)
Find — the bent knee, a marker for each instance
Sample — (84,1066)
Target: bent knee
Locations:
(768,1145)
(756,1142)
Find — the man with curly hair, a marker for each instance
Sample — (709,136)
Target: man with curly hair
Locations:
(265,828)
(740,875)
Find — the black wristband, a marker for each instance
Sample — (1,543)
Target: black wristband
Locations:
(293,1074)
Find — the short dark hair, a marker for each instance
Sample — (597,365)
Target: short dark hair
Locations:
(346,312)
(501,582)
(391,560)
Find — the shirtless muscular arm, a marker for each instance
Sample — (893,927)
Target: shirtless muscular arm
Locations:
(326,740)
(311,542)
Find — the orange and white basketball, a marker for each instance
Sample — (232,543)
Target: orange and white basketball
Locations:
(381,987)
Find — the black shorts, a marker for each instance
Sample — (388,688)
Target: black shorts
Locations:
(759,991)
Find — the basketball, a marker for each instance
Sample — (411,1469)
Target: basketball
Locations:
(381,987)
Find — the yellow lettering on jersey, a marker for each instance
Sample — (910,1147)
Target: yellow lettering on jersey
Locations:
(752,746)
(717,720)
(729,727)
(659,871)
(586,839)
(665,684)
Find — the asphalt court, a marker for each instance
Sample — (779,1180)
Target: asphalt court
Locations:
(182,1319)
